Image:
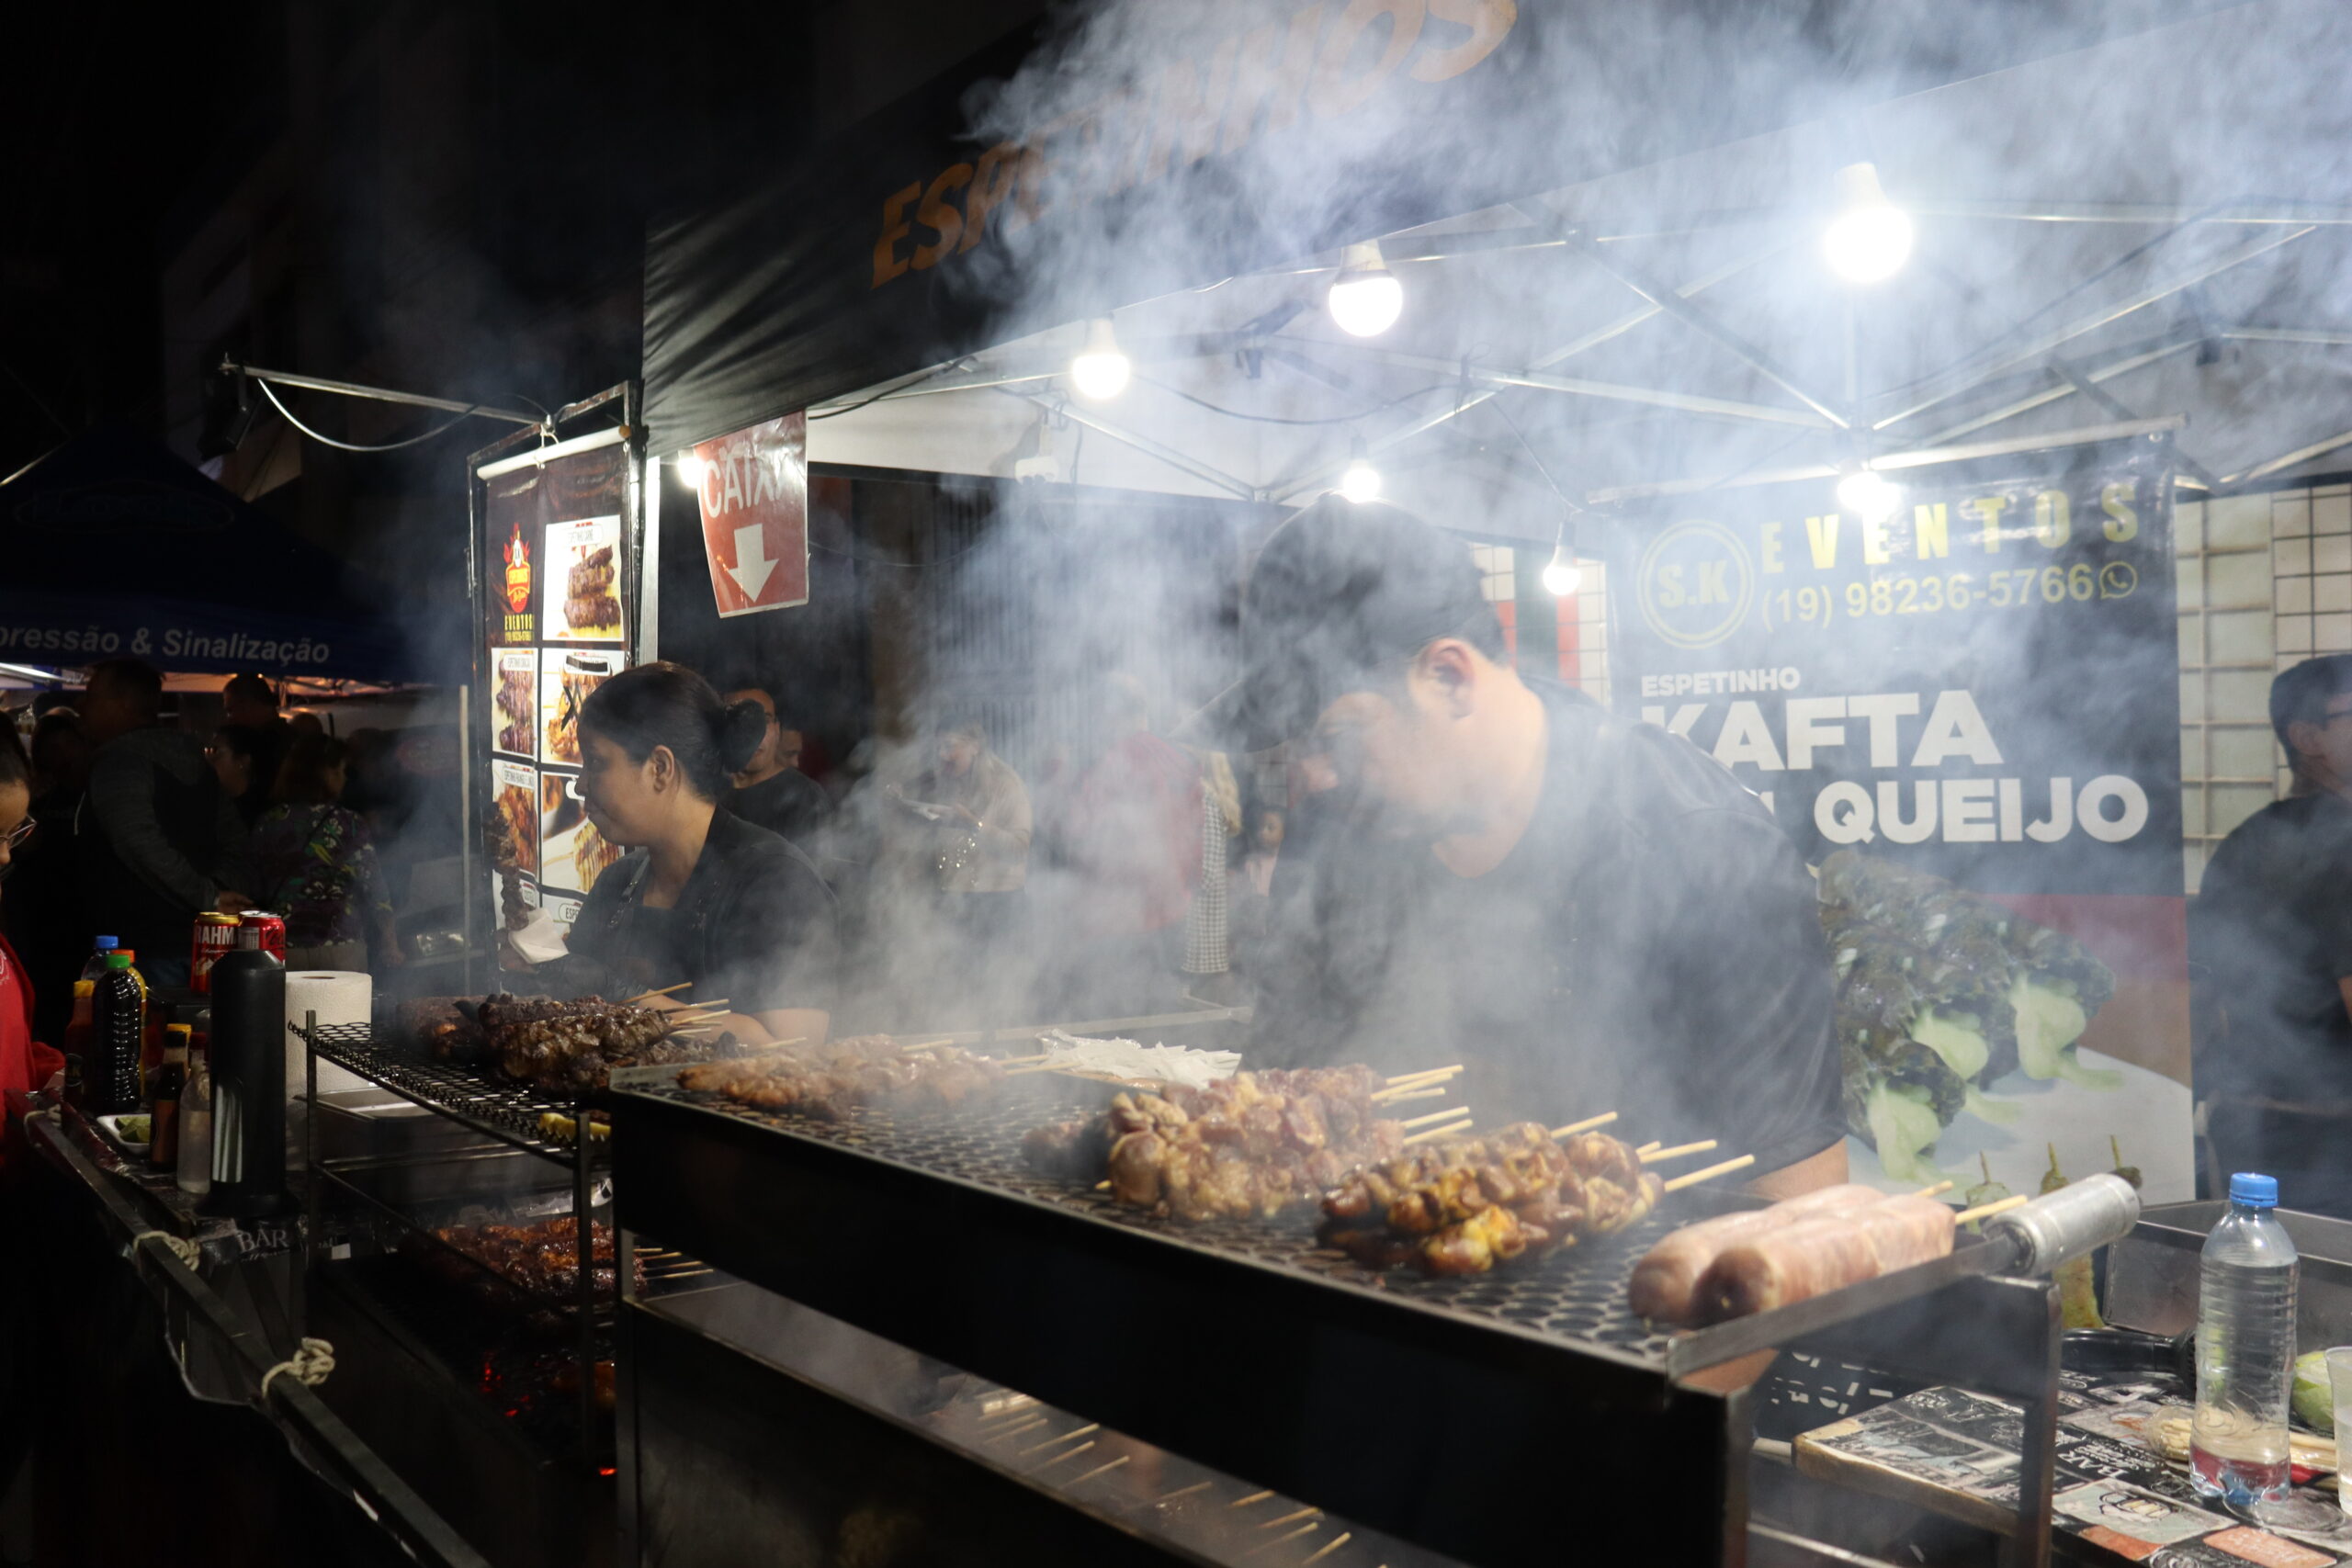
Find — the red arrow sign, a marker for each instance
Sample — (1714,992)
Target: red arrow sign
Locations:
(754,499)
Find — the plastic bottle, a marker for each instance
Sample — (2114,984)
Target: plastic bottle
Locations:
(77,1043)
(118,1027)
(194,1126)
(2245,1349)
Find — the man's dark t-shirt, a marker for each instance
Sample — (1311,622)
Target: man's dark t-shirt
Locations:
(791,804)
(2271,929)
(1651,946)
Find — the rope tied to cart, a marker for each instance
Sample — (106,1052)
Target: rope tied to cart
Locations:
(187,1252)
(309,1364)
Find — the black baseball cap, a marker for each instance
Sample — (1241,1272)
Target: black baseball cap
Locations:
(1341,590)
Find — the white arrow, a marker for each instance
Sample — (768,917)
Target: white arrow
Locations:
(752,564)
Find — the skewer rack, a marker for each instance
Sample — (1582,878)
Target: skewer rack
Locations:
(1434,1410)
(508,1115)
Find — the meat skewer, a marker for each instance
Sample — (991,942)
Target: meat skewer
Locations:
(832,1080)
(1666,1280)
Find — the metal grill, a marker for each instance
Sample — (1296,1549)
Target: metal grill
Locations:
(1575,1293)
(508,1112)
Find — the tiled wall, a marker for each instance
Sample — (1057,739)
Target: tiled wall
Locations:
(2266,582)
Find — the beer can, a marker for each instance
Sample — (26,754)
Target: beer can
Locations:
(216,934)
(272,929)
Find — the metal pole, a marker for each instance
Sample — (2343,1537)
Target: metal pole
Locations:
(378,394)
(1144,444)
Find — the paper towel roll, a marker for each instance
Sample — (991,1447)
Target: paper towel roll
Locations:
(337,996)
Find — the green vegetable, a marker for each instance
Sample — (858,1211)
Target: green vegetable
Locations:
(1903,1127)
(1900,1097)
(1985,1191)
(1958,1038)
(2129,1173)
(2314,1397)
(2050,1021)
(132,1128)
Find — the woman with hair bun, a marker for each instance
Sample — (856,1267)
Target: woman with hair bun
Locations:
(702,895)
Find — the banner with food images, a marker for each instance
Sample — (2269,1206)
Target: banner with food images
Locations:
(1957,688)
(559,595)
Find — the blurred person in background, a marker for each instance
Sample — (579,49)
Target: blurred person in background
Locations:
(2271,931)
(1208,922)
(1252,889)
(236,752)
(961,832)
(25,1063)
(42,913)
(702,896)
(249,706)
(159,838)
(772,791)
(1130,837)
(318,867)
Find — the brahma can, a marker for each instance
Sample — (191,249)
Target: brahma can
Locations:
(215,935)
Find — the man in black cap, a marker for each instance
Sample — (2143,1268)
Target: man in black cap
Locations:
(1589,912)
(2271,931)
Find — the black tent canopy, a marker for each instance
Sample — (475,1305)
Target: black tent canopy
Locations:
(116,548)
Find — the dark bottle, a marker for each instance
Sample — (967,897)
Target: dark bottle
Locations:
(248,1063)
(166,1081)
(118,1027)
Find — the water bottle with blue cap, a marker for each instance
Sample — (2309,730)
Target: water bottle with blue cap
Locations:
(2245,1352)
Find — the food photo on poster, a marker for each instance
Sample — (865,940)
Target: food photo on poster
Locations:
(1961,700)
(573,853)
(566,678)
(514,700)
(584,580)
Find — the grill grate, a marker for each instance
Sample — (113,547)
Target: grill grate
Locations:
(1574,1293)
(508,1112)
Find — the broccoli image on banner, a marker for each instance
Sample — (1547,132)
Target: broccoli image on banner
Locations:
(1923,968)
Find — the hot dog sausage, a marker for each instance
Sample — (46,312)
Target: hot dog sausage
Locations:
(1790,1264)
(1664,1281)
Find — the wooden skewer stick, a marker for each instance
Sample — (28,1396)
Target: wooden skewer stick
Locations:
(1103,1186)
(927,1044)
(1307,1528)
(1331,1546)
(1677,1152)
(1056,1442)
(1100,1469)
(1019,1061)
(1188,1491)
(1680,1183)
(648,995)
(1290,1518)
(1044,1068)
(716,1004)
(1446,1132)
(1029,1425)
(1071,1453)
(1587,1125)
(1245,1502)
(1403,1078)
(1650,1147)
(1981,1210)
(1940,1187)
(1437,1093)
(1447,1114)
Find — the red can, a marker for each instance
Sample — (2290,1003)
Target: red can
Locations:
(272,929)
(216,934)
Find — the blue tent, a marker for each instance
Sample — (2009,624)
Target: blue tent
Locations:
(110,545)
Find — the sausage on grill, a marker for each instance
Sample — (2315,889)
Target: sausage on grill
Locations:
(1828,1253)
(1666,1282)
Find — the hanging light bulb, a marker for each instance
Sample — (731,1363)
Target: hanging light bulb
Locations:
(1870,237)
(1360,481)
(1100,371)
(1562,575)
(1367,298)
(1869,495)
(691,468)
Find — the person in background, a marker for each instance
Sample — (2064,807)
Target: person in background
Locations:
(302,721)
(42,913)
(1131,836)
(957,837)
(772,791)
(1253,884)
(2270,929)
(160,838)
(318,868)
(234,752)
(1208,923)
(249,706)
(703,896)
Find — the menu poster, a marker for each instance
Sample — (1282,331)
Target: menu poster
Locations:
(571,852)
(515,798)
(582,561)
(566,677)
(514,700)
(511,558)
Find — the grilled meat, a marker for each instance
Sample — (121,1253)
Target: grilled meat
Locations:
(832,1080)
